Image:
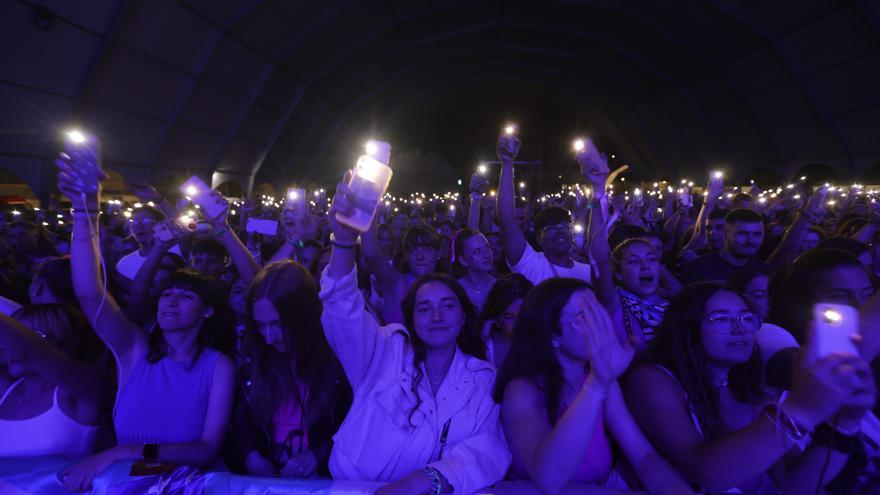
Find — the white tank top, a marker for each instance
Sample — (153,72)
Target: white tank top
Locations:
(50,433)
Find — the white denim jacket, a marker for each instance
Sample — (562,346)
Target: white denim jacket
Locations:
(378,441)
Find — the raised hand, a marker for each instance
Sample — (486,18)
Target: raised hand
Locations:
(343,203)
(221,218)
(823,387)
(608,357)
(594,166)
(144,191)
(479,184)
(815,210)
(714,188)
(71,184)
(508,147)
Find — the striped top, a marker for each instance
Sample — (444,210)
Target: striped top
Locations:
(166,401)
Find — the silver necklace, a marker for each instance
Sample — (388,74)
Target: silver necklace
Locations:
(479,290)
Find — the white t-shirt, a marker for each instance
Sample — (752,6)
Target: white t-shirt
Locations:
(772,339)
(535,267)
(129,264)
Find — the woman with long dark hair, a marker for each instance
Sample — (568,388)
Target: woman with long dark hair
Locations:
(175,388)
(700,399)
(499,315)
(423,418)
(559,394)
(293,395)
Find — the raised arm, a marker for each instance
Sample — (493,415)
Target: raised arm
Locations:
(512,237)
(477,187)
(812,213)
(388,279)
(140,303)
(147,192)
(351,332)
(37,356)
(239,254)
(700,239)
(126,340)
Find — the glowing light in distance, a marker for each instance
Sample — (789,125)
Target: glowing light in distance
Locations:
(510,129)
(522,185)
(578,228)
(717,174)
(579,144)
(126,214)
(482,169)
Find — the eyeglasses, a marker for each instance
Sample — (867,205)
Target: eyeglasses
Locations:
(725,324)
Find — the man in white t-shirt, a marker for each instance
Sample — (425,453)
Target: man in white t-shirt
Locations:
(553,228)
(142,221)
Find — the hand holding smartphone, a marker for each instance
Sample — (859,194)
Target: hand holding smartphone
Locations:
(508,142)
(295,200)
(83,150)
(203,196)
(833,330)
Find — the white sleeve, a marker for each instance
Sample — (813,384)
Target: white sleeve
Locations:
(772,339)
(532,266)
(351,331)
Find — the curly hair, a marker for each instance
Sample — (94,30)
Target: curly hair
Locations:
(679,348)
(469,340)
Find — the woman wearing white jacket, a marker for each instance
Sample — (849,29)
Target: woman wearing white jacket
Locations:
(423,417)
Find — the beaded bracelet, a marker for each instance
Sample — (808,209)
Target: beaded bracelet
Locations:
(434,476)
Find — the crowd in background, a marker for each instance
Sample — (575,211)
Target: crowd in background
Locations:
(594,340)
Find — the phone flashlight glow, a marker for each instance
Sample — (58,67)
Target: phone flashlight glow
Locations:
(293,195)
(510,129)
(191,190)
(832,316)
(371,148)
(717,174)
(76,136)
(579,144)
(482,169)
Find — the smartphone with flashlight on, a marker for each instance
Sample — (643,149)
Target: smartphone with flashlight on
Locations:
(82,149)
(685,198)
(262,226)
(834,326)
(295,200)
(200,194)
(508,143)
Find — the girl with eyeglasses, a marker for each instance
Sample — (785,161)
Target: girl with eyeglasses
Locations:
(700,398)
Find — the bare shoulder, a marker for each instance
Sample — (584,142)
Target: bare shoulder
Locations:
(520,395)
(649,379)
